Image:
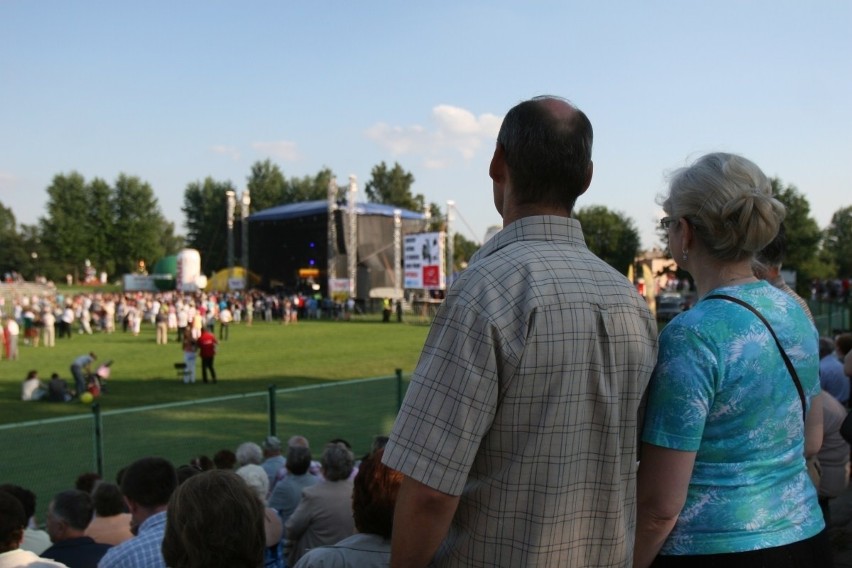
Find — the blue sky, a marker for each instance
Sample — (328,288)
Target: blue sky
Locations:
(174,92)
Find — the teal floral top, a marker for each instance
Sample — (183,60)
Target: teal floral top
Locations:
(721,389)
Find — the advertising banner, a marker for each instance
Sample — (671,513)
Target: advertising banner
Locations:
(423,259)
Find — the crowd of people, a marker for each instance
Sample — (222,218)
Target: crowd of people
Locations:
(246,508)
(547,422)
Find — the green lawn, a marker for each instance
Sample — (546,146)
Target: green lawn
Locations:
(310,352)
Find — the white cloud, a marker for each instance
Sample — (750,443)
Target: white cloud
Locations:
(454,131)
(229,151)
(282,150)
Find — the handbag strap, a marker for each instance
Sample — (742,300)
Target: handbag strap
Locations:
(777,342)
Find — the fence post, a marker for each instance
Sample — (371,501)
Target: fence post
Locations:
(398,389)
(273,428)
(99,439)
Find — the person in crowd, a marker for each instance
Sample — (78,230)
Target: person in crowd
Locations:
(186,471)
(66,321)
(767,266)
(13,331)
(87,481)
(224,459)
(147,485)
(257,480)
(832,379)
(207,349)
(249,453)
(214,521)
(32,388)
(225,319)
(189,349)
(13,521)
(57,389)
(111,521)
(48,320)
(324,513)
(35,539)
(538,344)
(722,475)
(844,352)
(161,322)
(202,462)
(287,492)
(373,501)
(67,518)
(79,367)
(833,455)
(273,460)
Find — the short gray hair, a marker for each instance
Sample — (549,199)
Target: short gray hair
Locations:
(249,452)
(337,461)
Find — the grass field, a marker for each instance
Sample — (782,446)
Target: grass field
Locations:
(251,359)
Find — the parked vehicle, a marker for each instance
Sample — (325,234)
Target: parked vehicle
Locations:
(669,305)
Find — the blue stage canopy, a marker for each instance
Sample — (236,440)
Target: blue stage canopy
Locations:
(308,208)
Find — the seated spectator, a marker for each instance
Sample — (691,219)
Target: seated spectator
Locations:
(224,459)
(35,539)
(288,492)
(68,515)
(273,460)
(324,514)
(832,379)
(202,462)
(57,389)
(833,455)
(249,453)
(214,521)
(32,388)
(186,471)
(87,481)
(111,521)
(373,500)
(13,521)
(147,485)
(844,352)
(257,480)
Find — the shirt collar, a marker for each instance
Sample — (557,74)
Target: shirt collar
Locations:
(536,228)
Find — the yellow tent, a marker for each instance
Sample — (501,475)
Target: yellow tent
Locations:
(229,279)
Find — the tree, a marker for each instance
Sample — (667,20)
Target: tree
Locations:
(267,185)
(309,188)
(610,235)
(66,234)
(838,241)
(463,249)
(138,224)
(13,256)
(393,187)
(205,208)
(101,224)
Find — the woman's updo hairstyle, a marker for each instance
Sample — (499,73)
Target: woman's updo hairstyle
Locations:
(728,201)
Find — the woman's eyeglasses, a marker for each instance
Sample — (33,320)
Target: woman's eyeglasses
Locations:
(667,222)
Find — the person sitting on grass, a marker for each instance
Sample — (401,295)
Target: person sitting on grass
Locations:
(32,388)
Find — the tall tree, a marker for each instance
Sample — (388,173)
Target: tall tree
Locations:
(309,188)
(838,241)
(101,224)
(138,224)
(393,187)
(205,208)
(13,256)
(267,185)
(610,235)
(463,249)
(66,234)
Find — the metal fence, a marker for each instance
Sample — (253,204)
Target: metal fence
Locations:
(46,456)
(830,317)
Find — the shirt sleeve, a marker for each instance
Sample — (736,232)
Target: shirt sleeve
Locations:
(681,390)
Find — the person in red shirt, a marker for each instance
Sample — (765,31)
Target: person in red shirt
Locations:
(207,349)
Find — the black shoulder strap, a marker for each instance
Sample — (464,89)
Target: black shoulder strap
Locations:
(778,343)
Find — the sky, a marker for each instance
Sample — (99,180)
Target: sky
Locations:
(174,92)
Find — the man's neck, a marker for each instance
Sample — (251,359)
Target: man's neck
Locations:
(512,213)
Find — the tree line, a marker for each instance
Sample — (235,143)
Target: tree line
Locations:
(115,226)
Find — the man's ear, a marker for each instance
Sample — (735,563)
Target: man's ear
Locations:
(497,170)
(588,181)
